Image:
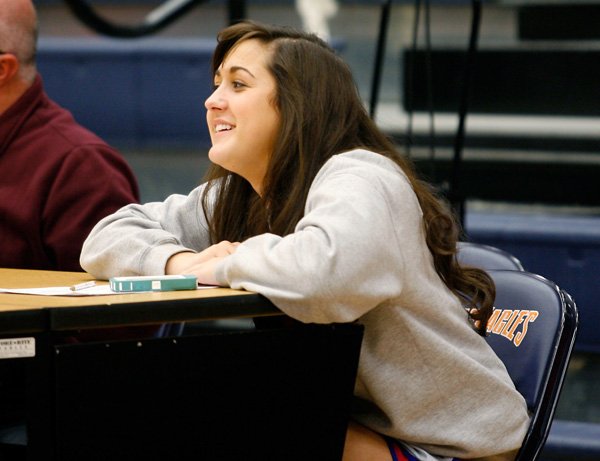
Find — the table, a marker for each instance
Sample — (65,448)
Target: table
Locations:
(36,314)
(225,396)
(39,320)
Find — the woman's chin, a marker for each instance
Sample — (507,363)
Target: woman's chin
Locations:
(215,155)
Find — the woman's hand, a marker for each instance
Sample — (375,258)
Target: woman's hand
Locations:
(201,264)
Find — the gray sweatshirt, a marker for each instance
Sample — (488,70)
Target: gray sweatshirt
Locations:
(425,376)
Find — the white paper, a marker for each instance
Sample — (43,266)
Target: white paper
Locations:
(97,290)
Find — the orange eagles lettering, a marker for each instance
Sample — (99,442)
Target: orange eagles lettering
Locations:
(506,322)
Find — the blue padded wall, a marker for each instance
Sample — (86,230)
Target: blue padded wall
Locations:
(564,249)
(136,93)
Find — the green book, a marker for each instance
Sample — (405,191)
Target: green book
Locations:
(154,283)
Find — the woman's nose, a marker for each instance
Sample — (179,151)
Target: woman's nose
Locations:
(214,101)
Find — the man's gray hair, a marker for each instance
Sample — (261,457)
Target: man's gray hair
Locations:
(18,35)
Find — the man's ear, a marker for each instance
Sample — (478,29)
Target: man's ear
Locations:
(9,66)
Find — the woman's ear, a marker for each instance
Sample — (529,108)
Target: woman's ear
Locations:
(9,67)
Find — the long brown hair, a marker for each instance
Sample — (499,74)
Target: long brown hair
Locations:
(322,114)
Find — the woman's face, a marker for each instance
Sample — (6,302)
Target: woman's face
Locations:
(241,115)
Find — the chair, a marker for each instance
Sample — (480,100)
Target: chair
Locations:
(532,330)
(486,257)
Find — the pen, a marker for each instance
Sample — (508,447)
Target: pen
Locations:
(82,286)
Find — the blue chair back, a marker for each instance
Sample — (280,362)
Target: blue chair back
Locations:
(486,257)
(533,330)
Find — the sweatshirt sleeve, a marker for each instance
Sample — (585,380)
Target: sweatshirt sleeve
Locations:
(346,255)
(139,239)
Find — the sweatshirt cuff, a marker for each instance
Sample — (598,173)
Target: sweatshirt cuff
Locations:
(155,261)
(220,274)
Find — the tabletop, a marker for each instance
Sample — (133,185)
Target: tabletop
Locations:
(21,312)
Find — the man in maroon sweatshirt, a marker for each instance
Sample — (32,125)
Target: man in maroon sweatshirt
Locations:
(57,178)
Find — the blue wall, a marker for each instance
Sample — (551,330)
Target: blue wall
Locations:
(135,93)
(564,249)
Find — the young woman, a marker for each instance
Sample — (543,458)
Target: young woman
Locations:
(310,205)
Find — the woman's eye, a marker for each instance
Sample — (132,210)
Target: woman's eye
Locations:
(235,84)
